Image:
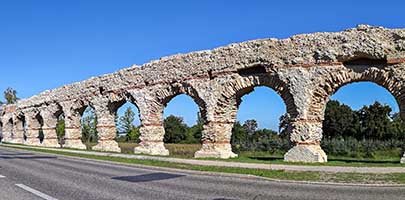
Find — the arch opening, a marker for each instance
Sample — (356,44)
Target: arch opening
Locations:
(257,129)
(127,123)
(88,126)
(10,128)
(183,124)
(40,121)
(60,128)
(362,120)
(21,127)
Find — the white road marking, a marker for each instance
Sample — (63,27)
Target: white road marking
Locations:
(36,192)
(1,176)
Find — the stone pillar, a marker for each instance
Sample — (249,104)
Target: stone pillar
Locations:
(306,136)
(217,129)
(106,129)
(152,130)
(49,130)
(18,135)
(73,133)
(152,140)
(216,141)
(33,127)
(403,159)
(6,132)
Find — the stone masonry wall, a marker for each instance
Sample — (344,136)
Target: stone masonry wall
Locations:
(304,69)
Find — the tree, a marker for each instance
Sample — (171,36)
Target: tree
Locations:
(60,129)
(195,132)
(126,125)
(89,126)
(133,135)
(375,121)
(238,139)
(283,125)
(11,96)
(397,128)
(175,129)
(340,121)
(250,126)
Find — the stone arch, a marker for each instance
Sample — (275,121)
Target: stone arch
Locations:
(151,110)
(81,105)
(107,108)
(56,110)
(232,92)
(166,94)
(333,81)
(35,122)
(118,100)
(217,132)
(73,111)
(51,113)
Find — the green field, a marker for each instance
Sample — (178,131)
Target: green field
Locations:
(382,158)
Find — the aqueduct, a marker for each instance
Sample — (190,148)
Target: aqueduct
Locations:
(305,70)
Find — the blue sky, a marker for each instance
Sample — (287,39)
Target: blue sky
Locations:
(45,43)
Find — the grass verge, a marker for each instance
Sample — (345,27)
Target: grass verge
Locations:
(187,151)
(356,178)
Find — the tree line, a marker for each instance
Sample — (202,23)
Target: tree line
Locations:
(373,122)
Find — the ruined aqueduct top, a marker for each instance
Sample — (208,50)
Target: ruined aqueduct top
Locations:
(304,50)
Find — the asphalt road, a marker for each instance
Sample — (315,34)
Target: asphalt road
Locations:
(30,176)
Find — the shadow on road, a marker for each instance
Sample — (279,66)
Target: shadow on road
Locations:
(148,177)
(268,158)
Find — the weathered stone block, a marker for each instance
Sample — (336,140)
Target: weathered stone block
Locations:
(306,153)
(107,145)
(403,159)
(152,148)
(74,144)
(32,141)
(213,150)
(50,142)
(14,140)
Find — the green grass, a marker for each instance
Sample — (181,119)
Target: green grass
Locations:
(177,150)
(394,178)
(381,159)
